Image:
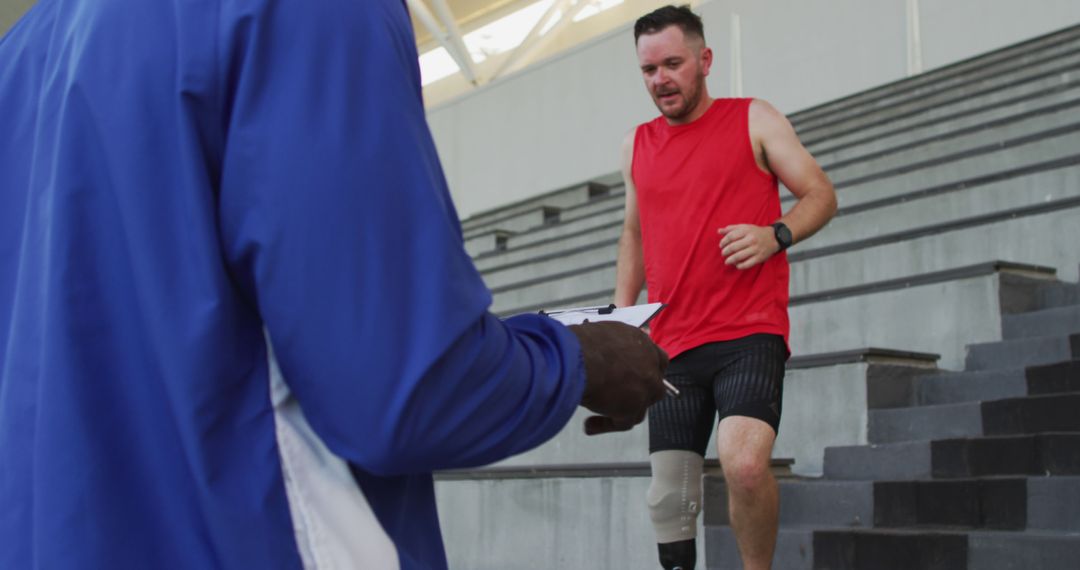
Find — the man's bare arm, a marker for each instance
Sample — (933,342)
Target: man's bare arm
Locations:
(630,270)
(778,150)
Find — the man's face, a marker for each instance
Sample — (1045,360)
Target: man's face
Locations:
(674,69)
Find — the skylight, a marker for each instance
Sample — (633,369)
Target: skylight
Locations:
(595,7)
(500,36)
(506,33)
(435,65)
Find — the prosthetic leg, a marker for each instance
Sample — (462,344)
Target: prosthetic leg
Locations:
(674,500)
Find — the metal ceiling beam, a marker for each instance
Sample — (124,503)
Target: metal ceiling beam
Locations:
(464,62)
(448,20)
(534,42)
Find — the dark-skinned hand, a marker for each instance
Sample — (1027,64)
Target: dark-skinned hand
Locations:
(624,373)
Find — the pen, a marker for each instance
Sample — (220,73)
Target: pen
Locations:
(671,389)
(600,310)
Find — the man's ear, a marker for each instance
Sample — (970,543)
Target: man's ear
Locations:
(706,60)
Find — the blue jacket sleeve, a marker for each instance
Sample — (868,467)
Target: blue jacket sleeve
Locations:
(336,221)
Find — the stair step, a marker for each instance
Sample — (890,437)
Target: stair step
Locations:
(1054,378)
(894,100)
(974,550)
(1052,503)
(1011,416)
(1038,454)
(868,163)
(970,503)
(1053,85)
(803,502)
(1056,321)
(999,502)
(925,422)
(1029,550)
(958,387)
(981,385)
(1023,352)
(890,550)
(1059,295)
(1032,414)
(794,549)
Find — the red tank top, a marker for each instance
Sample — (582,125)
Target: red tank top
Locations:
(691,180)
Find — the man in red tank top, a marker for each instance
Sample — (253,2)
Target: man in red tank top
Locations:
(704,231)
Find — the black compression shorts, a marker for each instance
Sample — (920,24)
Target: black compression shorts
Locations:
(742,377)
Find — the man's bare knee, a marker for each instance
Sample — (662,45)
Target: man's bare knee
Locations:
(746,475)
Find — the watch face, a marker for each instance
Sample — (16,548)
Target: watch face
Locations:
(783,235)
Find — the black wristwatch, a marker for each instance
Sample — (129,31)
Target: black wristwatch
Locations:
(783,235)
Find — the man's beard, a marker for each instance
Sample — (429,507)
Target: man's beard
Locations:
(690,98)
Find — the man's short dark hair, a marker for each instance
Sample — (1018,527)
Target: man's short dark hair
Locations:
(669,15)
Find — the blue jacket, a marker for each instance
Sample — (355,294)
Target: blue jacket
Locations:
(229,268)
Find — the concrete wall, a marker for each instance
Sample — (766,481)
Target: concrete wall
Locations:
(12,10)
(560,122)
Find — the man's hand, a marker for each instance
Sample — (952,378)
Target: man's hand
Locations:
(746,245)
(624,374)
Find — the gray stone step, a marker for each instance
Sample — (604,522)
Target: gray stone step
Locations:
(794,549)
(532,218)
(568,197)
(803,502)
(557,263)
(919,149)
(1052,501)
(1001,156)
(521,296)
(1035,455)
(487,242)
(1023,352)
(958,387)
(816,270)
(569,220)
(1058,321)
(1012,416)
(975,94)
(1007,57)
(1001,503)
(984,196)
(1054,378)
(593,215)
(915,96)
(1028,550)
(1055,84)
(941,247)
(872,549)
(1058,295)
(955,387)
(602,236)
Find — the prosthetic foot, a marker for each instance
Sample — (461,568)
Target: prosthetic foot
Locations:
(680,555)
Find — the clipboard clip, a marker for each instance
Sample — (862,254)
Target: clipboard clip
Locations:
(599,309)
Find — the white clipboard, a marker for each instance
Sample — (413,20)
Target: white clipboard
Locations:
(636,315)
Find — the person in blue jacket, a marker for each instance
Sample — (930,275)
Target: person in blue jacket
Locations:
(238,327)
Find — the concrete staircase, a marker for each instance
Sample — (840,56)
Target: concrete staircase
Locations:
(932,317)
(976,469)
